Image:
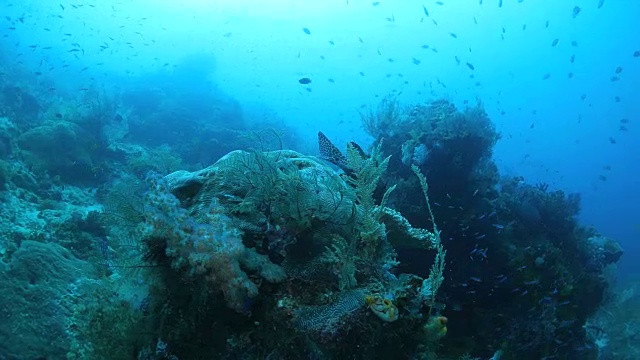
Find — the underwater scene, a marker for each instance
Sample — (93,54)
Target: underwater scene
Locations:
(335,179)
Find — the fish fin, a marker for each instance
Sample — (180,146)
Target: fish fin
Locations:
(330,152)
(359,149)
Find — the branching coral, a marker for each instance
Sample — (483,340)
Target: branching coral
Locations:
(340,255)
(436,275)
(384,119)
(365,179)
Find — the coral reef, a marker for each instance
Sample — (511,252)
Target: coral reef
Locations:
(122,243)
(280,237)
(615,328)
(521,271)
(35,281)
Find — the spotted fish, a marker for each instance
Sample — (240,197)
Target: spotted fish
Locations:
(332,154)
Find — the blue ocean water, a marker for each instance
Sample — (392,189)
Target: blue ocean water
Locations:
(97,94)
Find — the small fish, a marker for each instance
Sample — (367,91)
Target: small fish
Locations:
(478,254)
(600,3)
(426,12)
(572,59)
(416,61)
(636,53)
(612,140)
(618,69)
(304,81)
(453,35)
(500,3)
(375,3)
(614,78)
(624,121)
(576,11)
(546,24)
(306,31)
(554,42)
(546,76)
(545,300)
(470,66)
